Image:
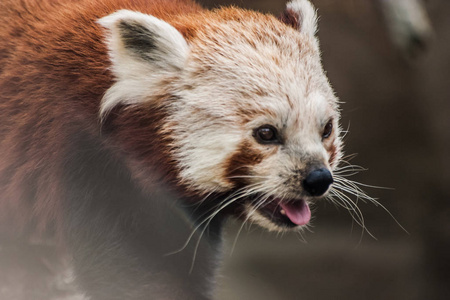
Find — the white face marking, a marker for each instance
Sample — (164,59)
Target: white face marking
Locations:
(279,84)
(255,217)
(235,77)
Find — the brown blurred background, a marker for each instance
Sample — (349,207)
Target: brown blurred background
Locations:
(396,89)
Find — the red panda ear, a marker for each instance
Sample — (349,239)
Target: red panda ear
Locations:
(137,36)
(301,15)
(143,49)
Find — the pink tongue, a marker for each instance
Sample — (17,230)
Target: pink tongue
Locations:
(299,213)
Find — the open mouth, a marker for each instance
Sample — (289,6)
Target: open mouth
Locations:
(290,213)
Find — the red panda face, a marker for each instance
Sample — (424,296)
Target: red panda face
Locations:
(253,114)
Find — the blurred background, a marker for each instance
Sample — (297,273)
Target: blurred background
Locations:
(389,62)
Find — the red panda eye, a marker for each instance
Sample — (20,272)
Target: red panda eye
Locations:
(327,130)
(266,134)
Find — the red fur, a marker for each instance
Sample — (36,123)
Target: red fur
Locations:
(333,152)
(289,17)
(53,74)
(110,189)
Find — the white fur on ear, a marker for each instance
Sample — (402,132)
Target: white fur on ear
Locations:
(305,15)
(142,50)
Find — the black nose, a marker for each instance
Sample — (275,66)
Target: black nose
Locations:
(318,181)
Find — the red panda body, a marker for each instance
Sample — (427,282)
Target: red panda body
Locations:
(54,72)
(126,125)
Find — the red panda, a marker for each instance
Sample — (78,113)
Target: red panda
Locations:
(126,125)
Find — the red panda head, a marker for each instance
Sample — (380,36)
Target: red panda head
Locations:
(252,114)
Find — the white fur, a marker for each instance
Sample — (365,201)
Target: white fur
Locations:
(206,121)
(136,79)
(307,15)
(255,217)
(230,81)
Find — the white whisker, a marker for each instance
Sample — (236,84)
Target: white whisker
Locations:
(240,193)
(343,187)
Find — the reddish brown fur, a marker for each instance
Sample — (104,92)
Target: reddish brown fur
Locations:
(53,74)
(291,18)
(239,163)
(62,169)
(333,153)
